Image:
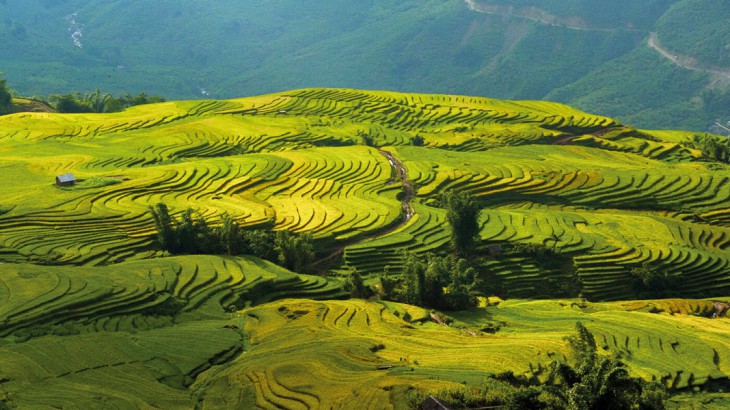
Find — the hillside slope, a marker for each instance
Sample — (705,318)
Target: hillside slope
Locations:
(588,53)
(93,315)
(609,197)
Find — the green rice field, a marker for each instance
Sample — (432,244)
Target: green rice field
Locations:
(94,315)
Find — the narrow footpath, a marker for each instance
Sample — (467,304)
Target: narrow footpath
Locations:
(400,175)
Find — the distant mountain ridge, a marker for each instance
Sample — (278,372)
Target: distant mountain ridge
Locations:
(587,53)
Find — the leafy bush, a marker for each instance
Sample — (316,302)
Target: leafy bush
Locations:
(594,381)
(98,102)
(356,286)
(713,148)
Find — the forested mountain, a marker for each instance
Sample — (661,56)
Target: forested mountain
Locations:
(594,54)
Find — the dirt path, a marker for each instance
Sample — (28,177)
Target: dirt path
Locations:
(540,16)
(684,61)
(575,23)
(401,175)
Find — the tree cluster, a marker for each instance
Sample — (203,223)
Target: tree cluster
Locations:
(462,214)
(713,148)
(192,234)
(649,282)
(98,102)
(588,381)
(6,100)
(444,283)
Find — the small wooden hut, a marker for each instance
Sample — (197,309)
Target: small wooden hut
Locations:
(66,180)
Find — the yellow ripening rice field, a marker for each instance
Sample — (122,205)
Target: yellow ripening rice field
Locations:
(93,315)
(316,160)
(354,354)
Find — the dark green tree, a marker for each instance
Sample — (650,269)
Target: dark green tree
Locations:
(435,277)
(388,284)
(296,252)
(186,232)
(230,236)
(166,235)
(460,291)
(593,381)
(97,101)
(356,286)
(260,243)
(715,149)
(413,279)
(650,282)
(462,214)
(6,100)
(70,103)
(532,398)
(435,282)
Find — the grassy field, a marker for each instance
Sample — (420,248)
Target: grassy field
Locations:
(80,271)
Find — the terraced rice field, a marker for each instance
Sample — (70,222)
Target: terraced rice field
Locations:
(328,354)
(611,210)
(79,268)
(139,295)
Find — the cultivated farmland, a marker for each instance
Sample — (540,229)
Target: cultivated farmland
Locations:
(363,172)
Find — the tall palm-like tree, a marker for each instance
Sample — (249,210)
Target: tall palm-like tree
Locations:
(594,381)
(97,101)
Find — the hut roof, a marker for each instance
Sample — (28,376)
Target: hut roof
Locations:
(66,178)
(432,403)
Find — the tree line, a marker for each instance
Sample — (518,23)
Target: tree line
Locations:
(191,233)
(93,102)
(98,102)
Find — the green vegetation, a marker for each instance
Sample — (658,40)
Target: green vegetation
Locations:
(98,102)
(564,204)
(5,98)
(591,54)
(705,28)
(650,283)
(195,235)
(713,148)
(645,96)
(589,381)
(444,283)
(462,214)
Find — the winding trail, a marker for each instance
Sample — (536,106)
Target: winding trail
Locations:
(400,171)
(540,16)
(401,175)
(684,61)
(575,23)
